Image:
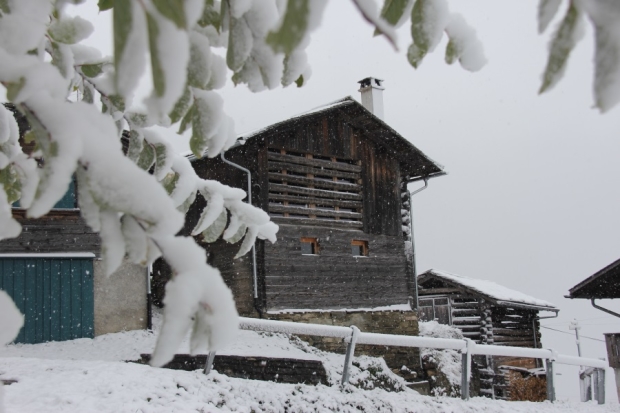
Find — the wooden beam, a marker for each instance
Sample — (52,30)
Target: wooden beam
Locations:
(314,211)
(341,166)
(429,291)
(318,193)
(316,201)
(342,186)
(302,169)
(318,222)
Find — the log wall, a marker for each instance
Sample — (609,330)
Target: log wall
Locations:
(334,278)
(58,231)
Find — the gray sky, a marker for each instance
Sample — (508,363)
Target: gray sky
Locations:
(532,198)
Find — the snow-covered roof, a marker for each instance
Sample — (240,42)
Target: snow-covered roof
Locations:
(490,290)
(416,163)
(340,102)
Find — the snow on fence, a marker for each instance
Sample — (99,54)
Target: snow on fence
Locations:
(468,348)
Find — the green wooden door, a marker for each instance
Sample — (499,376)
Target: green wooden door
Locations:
(54,294)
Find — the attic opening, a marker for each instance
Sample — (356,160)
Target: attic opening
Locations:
(320,188)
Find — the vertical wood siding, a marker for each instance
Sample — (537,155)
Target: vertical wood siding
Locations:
(54,294)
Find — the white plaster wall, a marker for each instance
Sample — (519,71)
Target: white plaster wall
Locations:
(120,299)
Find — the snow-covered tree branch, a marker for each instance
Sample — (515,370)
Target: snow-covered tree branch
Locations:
(79,105)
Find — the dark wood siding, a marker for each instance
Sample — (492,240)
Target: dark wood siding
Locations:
(334,278)
(329,135)
(58,231)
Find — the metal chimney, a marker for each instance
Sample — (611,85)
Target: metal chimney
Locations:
(372,95)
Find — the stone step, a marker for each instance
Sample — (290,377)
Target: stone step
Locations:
(281,370)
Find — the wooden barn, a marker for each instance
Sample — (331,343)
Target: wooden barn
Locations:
(335,181)
(53,272)
(487,313)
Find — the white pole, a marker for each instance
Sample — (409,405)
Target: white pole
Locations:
(584,380)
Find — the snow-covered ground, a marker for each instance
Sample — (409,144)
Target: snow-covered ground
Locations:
(87,375)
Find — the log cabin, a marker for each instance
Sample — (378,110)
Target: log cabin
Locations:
(487,313)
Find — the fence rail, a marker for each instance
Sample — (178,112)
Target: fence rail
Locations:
(468,348)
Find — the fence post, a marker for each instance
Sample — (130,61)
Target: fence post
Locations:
(585,384)
(348,359)
(466,354)
(550,386)
(600,388)
(209,363)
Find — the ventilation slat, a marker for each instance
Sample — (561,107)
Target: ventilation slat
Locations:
(341,166)
(317,201)
(311,192)
(300,180)
(302,169)
(314,211)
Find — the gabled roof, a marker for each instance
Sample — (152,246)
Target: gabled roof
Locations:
(414,164)
(603,284)
(490,291)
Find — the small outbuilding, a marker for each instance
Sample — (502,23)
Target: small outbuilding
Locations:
(487,313)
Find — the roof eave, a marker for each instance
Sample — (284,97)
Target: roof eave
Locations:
(490,299)
(577,290)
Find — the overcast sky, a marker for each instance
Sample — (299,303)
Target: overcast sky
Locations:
(532,195)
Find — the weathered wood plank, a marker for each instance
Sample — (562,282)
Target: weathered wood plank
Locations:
(341,166)
(314,211)
(501,339)
(429,291)
(460,312)
(342,186)
(290,167)
(512,332)
(354,225)
(319,193)
(515,343)
(317,201)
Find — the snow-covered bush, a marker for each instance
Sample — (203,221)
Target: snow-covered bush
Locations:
(447,381)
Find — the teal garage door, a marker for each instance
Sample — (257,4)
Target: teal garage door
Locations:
(54,294)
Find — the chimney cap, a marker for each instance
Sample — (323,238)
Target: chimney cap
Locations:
(371,82)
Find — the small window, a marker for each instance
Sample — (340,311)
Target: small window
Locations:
(359,248)
(309,246)
(425,303)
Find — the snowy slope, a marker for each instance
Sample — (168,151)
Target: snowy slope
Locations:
(88,375)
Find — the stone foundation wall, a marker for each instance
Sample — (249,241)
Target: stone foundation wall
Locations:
(401,360)
(281,370)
